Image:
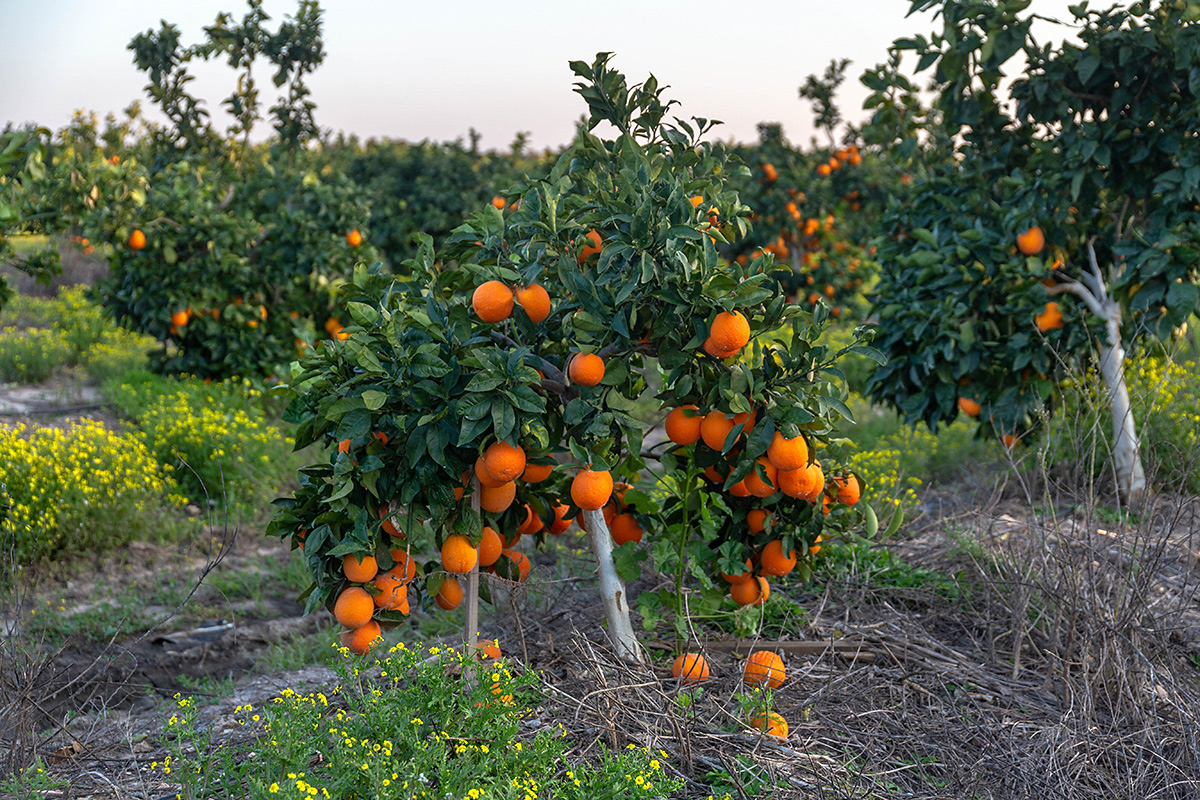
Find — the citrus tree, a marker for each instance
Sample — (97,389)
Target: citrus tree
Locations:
(22,163)
(229,253)
(1042,231)
(493,392)
(815,208)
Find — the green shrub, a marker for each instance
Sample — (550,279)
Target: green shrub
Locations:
(82,488)
(118,352)
(216,436)
(416,731)
(32,355)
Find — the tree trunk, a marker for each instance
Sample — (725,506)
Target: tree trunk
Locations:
(612,591)
(1127,456)
(471,624)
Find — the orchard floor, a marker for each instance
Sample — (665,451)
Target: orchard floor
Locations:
(1003,654)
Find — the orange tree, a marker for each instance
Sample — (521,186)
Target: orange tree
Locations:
(491,393)
(22,166)
(1043,231)
(814,209)
(229,253)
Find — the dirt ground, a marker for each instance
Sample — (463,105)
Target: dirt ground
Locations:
(1015,655)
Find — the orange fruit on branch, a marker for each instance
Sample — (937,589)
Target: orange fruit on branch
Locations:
(360,640)
(764,668)
(359,570)
(625,528)
(353,607)
(729,333)
(591,489)
(532,523)
(848,490)
(137,240)
(492,301)
(449,595)
(774,562)
(969,407)
(406,565)
(486,479)
(393,591)
(354,238)
(1050,319)
(690,669)
(714,428)
(759,487)
(495,499)
(503,461)
(521,561)
(756,519)
(490,546)
(788,454)
(750,593)
(586,369)
(561,523)
(1032,241)
(458,555)
(179,319)
(740,577)
(593,247)
(683,425)
(536,302)
(499,202)
(536,473)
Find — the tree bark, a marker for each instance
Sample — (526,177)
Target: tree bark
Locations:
(612,591)
(1127,456)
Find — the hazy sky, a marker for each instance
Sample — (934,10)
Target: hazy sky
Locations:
(414,70)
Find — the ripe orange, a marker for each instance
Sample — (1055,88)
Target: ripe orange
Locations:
(788,454)
(774,562)
(1050,319)
(714,428)
(492,301)
(361,639)
(137,240)
(1032,241)
(625,528)
(406,565)
(739,489)
(458,555)
(750,593)
(756,518)
(359,571)
(536,473)
(485,476)
(697,200)
(354,238)
(711,474)
(495,499)
(729,333)
(449,595)
(393,591)
(969,407)
(531,524)
(757,486)
(586,369)
(764,668)
(770,173)
(690,668)
(804,484)
(848,490)
(824,170)
(683,428)
(521,561)
(536,302)
(353,607)
(490,546)
(593,247)
(499,202)
(503,461)
(772,724)
(591,489)
(740,577)
(179,319)
(561,523)
(1008,440)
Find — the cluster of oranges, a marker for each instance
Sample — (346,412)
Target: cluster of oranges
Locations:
(763,669)
(847,155)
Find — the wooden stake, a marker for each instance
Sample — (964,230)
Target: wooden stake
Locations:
(471,626)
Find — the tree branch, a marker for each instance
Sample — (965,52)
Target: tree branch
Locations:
(1101,289)
(1079,290)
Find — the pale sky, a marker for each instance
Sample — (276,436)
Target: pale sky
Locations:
(415,70)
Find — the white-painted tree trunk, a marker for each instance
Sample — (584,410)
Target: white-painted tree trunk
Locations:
(612,591)
(1127,455)
(471,623)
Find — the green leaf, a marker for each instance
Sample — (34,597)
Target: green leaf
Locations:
(374,399)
